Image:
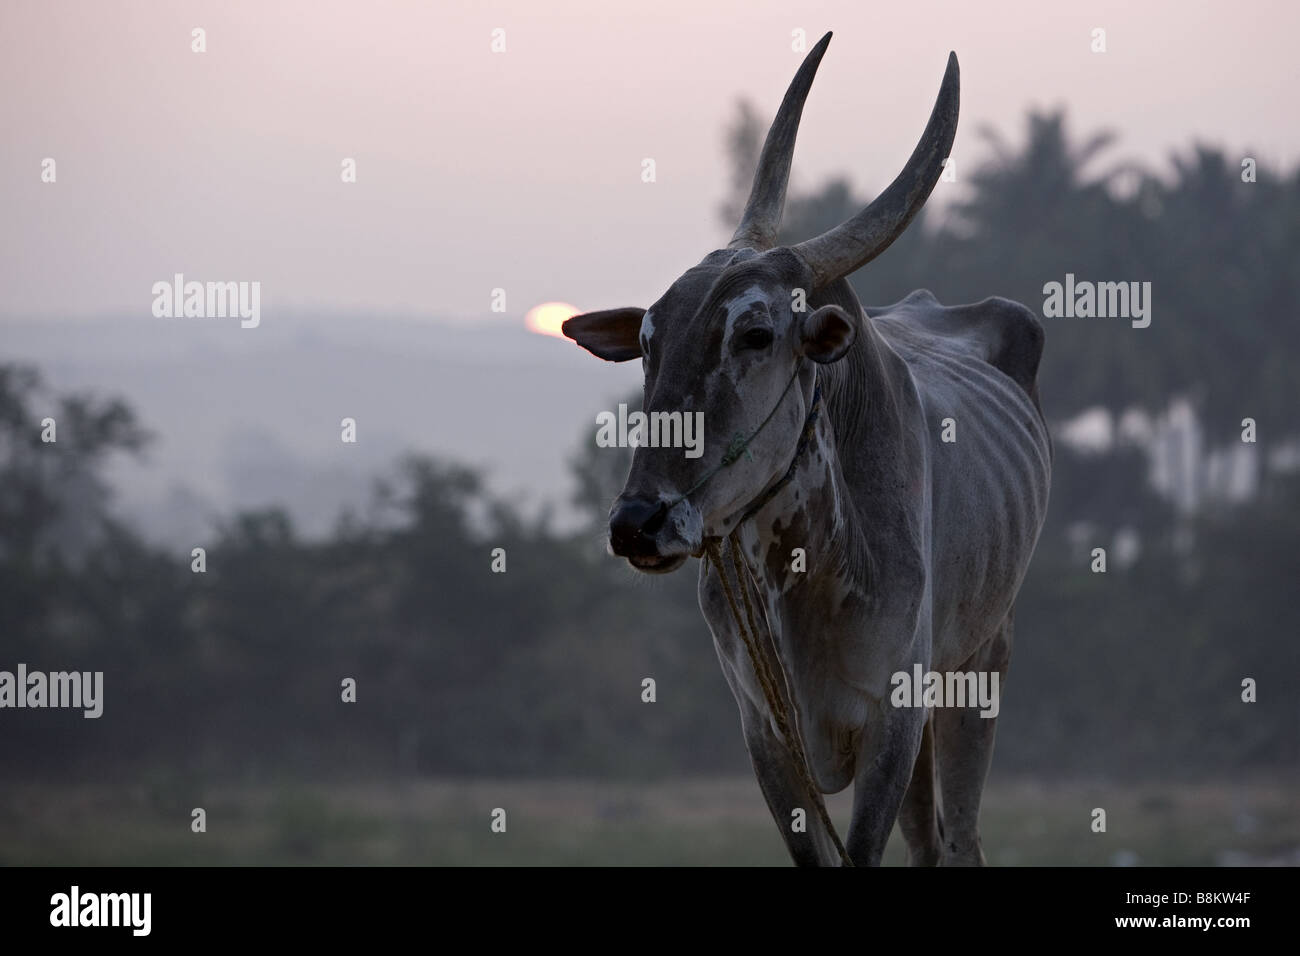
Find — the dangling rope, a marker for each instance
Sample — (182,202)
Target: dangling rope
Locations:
(786,724)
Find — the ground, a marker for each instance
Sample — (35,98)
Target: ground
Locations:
(675,822)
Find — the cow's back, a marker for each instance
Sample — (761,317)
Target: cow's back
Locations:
(976,365)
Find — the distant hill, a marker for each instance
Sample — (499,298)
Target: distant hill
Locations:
(250,417)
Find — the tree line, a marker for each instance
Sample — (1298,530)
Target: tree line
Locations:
(538,670)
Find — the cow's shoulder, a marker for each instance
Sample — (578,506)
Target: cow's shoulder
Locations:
(1001,332)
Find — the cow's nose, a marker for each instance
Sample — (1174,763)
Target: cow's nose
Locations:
(633,524)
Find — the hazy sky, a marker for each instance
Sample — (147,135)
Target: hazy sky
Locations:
(521,170)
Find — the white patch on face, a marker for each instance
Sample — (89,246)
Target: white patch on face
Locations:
(689,524)
(742,303)
(737,307)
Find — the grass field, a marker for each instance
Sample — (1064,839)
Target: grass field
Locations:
(695,822)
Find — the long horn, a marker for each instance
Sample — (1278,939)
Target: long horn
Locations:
(762,216)
(836,253)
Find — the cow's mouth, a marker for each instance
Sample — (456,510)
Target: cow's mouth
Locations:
(656,564)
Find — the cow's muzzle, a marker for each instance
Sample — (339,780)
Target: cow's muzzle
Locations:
(641,531)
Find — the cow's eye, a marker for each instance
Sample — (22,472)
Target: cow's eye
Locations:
(757,338)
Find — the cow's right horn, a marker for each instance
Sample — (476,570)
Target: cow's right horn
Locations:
(853,244)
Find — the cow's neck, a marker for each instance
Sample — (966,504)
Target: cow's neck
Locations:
(842,506)
(809,527)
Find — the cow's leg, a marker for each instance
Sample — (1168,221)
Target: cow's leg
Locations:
(887,752)
(964,741)
(778,778)
(918,818)
(785,792)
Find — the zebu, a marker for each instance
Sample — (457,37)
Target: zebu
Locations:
(885,473)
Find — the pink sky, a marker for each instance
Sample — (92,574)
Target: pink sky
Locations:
(522,170)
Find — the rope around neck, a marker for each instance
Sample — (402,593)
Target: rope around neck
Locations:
(786,724)
(739,444)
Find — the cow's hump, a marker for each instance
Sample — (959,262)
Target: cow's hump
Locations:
(1003,333)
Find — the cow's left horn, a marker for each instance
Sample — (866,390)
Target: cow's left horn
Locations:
(853,244)
(762,216)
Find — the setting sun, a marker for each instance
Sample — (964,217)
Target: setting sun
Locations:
(546,319)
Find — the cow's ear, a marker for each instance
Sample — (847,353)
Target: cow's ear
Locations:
(613,334)
(827,334)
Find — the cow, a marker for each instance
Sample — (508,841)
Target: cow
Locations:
(885,474)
